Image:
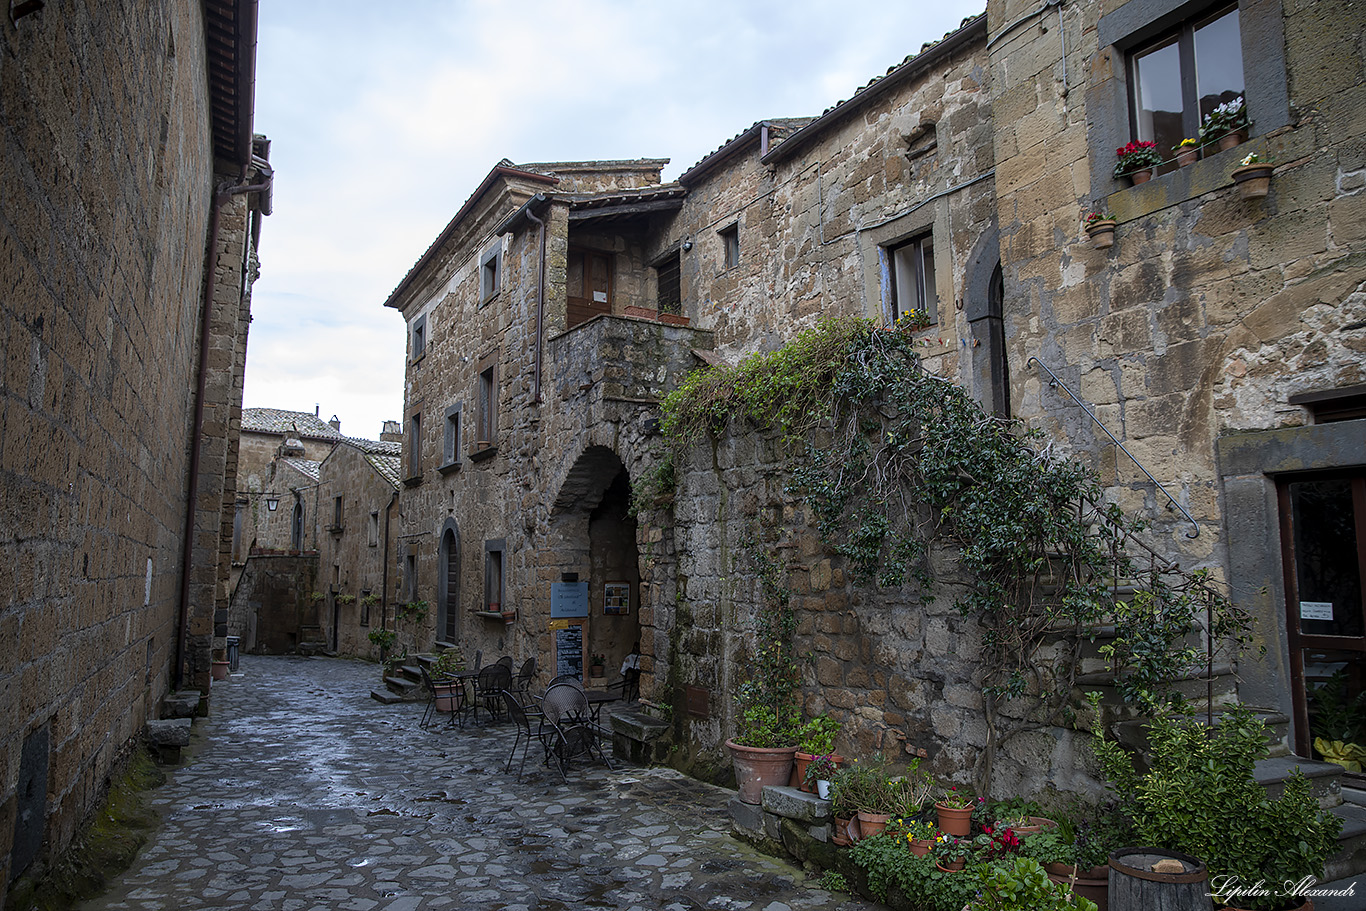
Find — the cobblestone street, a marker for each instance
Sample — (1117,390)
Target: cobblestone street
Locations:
(303,793)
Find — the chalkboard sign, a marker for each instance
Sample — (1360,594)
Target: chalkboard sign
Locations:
(568,599)
(569,651)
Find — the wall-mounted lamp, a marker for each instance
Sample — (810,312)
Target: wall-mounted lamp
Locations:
(687,245)
(272,502)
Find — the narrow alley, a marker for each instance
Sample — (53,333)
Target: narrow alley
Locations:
(300,792)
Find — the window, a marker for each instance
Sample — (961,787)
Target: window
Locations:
(488,407)
(415,446)
(1177,79)
(670,294)
(730,245)
(374,528)
(493,574)
(913,286)
(450,441)
(490,273)
(336,513)
(365,607)
(588,285)
(410,576)
(419,337)
(296,527)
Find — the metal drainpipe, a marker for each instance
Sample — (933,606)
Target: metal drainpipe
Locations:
(222,194)
(384,575)
(540,304)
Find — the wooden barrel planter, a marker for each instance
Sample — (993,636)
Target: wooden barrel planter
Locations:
(1134,886)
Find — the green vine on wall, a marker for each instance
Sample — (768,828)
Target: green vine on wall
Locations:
(891,458)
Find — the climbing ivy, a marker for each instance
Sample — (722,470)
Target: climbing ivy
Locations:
(891,458)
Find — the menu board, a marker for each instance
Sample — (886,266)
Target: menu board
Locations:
(568,599)
(569,650)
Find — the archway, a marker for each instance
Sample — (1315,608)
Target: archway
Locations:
(448,583)
(595,535)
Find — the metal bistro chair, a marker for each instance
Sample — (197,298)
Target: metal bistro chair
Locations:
(569,733)
(522,684)
(489,683)
(519,717)
(566,678)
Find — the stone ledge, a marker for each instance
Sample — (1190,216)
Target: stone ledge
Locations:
(182,704)
(791,803)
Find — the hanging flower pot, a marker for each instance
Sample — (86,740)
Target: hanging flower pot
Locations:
(1102,233)
(1231,139)
(1253,177)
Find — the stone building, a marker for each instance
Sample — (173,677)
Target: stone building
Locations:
(1219,340)
(128,236)
(295,469)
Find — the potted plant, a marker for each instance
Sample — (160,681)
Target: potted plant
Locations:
(597,666)
(1100,227)
(820,771)
(384,638)
(950,853)
(1226,125)
(1187,152)
(845,788)
(1199,796)
(1023,886)
(1137,161)
(767,709)
(919,834)
(1253,176)
(955,812)
(815,738)
(1077,852)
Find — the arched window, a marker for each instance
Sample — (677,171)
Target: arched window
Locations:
(296,531)
(448,584)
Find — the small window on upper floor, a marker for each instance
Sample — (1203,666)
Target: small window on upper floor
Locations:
(730,245)
(415,446)
(490,273)
(1176,80)
(450,441)
(914,294)
(670,295)
(374,529)
(337,514)
(419,337)
(488,407)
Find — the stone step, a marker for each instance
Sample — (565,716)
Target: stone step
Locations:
(1350,859)
(385,697)
(1324,777)
(411,672)
(401,686)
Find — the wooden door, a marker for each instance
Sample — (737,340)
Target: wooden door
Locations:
(589,285)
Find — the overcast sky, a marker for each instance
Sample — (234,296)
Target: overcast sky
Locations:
(384,117)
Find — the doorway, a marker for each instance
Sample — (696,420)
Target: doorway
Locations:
(1323,534)
(448,584)
(589,289)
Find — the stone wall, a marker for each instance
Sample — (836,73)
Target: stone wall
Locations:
(107,170)
(272,605)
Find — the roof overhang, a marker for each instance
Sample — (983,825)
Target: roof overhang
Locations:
(230,38)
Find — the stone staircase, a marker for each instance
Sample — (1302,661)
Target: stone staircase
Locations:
(405,683)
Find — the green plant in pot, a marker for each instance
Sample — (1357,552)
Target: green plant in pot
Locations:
(1022,885)
(815,738)
(1199,796)
(448,664)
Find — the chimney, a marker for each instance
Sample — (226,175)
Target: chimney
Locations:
(391,433)
(315,410)
(335,423)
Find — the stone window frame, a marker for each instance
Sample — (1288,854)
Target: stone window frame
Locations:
(410,574)
(490,273)
(1249,466)
(450,439)
(877,242)
(486,415)
(730,245)
(672,261)
(364,606)
(373,536)
(1136,24)
(495,573)
(418,339)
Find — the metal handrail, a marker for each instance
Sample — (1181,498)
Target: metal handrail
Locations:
(1089,413)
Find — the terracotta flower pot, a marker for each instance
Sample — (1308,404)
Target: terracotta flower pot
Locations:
(1142,175)
(1186,157)
(842,836)
(1036,824)
(1230,140)
(800,761)
(920,846)
(1253,180)
(218,670)
(953,821)
(870,824)
(952,866)
(1102,233)
(759,767)
(1093,883)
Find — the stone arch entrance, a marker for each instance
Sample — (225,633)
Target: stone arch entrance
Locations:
(593,539)
(448,583)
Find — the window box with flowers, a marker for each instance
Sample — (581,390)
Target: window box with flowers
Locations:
(1137,161)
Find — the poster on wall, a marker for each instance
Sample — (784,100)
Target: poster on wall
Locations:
(569,650)
(616,597)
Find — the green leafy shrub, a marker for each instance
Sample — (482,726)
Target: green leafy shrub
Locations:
(890,866)
(1022,885)
(1199,796)
(817,736)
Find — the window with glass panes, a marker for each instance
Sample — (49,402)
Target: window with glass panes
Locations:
(1182,76)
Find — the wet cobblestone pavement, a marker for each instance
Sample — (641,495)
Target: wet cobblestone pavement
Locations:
(303,793)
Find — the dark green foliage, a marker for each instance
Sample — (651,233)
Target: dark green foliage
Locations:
(1199,796)
(1022,885)
(769,712)
(890,865)
(890,458)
